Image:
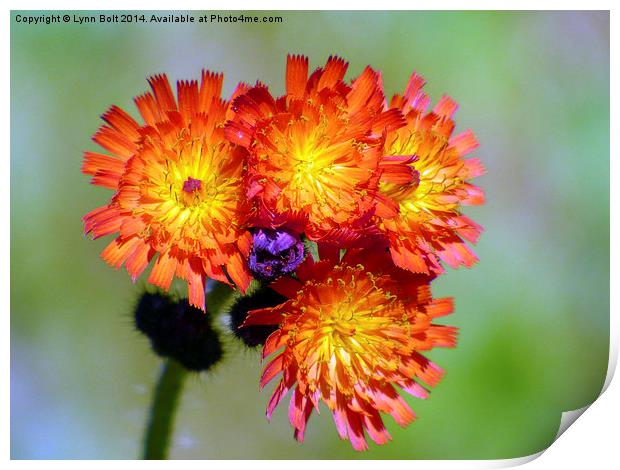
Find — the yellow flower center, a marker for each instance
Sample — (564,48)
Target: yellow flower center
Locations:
(350,321)
(192,195)
(436,175)
(318,170)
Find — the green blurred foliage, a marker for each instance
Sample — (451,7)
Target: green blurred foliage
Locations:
(533,314)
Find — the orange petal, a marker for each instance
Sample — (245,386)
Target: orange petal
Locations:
(139,260)
(445,107)
(163,92)
(210,87)
(122,122)
(296,75)
(188,99)
(148,109)
(333,72)
(117,252)
(163,271)
(440,307)
(464,143)
(103,221)
(115,142)
(196,284)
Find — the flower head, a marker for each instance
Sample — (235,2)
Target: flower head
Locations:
(351,332)
(315,153)
(178,188)
(429,227)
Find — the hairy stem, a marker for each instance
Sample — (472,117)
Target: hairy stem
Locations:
(165,401)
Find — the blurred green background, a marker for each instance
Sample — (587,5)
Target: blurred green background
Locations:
(534,313)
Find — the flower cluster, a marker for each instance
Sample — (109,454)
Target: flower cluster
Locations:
(341,205)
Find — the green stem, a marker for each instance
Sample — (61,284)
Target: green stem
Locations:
(161,419)
(159,429)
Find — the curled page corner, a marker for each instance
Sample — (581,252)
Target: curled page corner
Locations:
(515,462)
(568,418)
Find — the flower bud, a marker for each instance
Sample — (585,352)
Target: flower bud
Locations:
(179,331)
(275,253)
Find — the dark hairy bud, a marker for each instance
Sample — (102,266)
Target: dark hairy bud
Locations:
(179,331)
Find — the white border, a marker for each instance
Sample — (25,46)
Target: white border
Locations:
(592,442)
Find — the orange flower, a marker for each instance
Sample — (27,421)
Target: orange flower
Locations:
(315,153)
(351,332)
(430,227)
(178,188)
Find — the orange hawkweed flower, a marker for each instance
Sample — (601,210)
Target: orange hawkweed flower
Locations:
(429,227)
(316,152)
(351,332)
(178,188)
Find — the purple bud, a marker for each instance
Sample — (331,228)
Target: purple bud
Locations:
(275,253)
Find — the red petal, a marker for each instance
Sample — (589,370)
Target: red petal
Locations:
(272,370)
(263,316)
